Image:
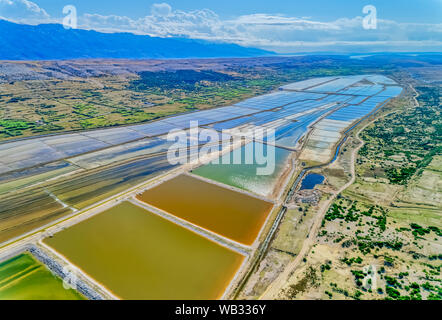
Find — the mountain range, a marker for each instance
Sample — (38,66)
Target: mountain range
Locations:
(53,41)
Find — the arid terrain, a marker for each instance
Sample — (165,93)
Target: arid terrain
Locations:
(379,235)
(370,130)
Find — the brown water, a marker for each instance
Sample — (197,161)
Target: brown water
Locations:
(229,213)
(139,255)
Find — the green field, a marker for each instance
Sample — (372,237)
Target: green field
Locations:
(24,278)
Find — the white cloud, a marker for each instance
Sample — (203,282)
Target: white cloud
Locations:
(110,23)
(161,9)
(22,11)
(274,32)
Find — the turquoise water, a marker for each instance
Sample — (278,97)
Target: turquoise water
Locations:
(248,176)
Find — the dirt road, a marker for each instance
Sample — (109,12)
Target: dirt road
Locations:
(275,287)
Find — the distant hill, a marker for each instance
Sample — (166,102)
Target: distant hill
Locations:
(52,41)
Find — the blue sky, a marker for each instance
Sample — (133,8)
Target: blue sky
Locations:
(429,11)
(285,26)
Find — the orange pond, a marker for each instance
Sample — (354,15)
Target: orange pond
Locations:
(232,214)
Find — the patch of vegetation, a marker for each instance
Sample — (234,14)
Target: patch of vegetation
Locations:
(400,145)
(359,276)
(400,175)
(14,128)
(326,266)
(392,292)
(349,262)
(17,99)
(310,279)
(47,128)
(365,246)
(85,110)
(180,79)
(430,95)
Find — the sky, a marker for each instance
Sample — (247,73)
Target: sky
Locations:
(283,26)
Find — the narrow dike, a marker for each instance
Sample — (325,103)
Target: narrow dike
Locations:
(57,268)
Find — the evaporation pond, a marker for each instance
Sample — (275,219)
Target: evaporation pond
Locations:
(139,255)
(248,176)
(232,214)
(25,278)
(311,180)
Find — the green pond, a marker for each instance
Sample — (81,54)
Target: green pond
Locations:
(25,278)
